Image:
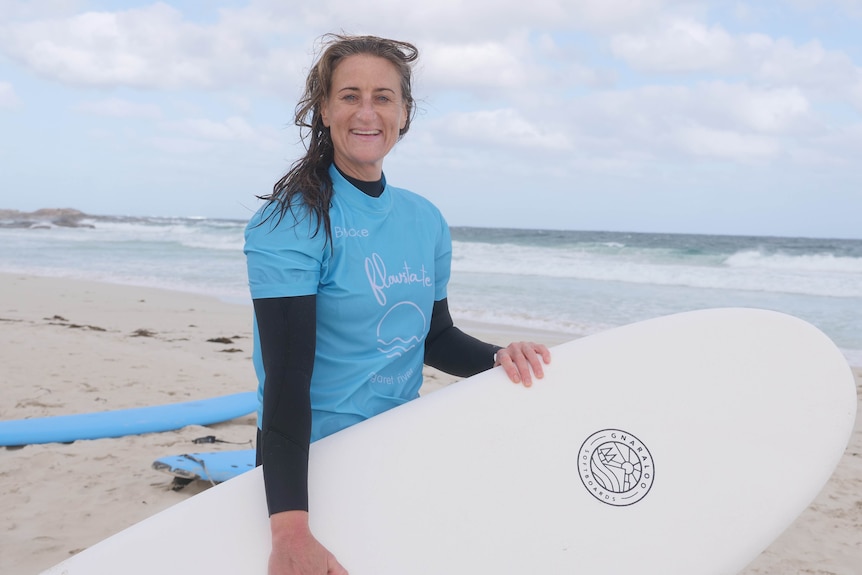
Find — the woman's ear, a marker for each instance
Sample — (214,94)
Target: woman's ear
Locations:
(324,116)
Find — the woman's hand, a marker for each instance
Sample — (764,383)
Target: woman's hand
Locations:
(295,551)
(521,359)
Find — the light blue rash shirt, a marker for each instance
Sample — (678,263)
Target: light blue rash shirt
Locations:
(375,287)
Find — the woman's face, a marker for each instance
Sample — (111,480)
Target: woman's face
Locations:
(364,113)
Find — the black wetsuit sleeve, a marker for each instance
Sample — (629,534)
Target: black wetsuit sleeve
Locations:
(287,330)
(449,349)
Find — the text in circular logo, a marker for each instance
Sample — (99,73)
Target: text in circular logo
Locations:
(616,467)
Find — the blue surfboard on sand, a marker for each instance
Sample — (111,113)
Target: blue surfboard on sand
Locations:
(121,422)
(216,467)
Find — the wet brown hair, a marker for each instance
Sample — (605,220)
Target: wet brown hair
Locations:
(308,181)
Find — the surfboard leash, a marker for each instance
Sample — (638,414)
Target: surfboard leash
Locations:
(203,464)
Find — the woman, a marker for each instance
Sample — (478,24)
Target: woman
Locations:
(348,278)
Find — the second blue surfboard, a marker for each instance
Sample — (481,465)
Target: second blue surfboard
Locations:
(217,466)
(121,422)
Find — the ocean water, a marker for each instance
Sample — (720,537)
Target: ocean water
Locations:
(576,282)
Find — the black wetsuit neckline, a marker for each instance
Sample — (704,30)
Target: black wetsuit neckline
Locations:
(373,189)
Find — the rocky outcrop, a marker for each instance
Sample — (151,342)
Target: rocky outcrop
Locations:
(45,218)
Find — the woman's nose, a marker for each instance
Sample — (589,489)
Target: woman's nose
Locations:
(366,108)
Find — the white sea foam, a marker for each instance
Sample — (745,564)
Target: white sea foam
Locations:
(576,283)
(203,234)
(828,263)
(823,275)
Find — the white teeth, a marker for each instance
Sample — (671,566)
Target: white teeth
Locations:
(366,132)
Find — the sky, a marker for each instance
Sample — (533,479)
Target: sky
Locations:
(719,117)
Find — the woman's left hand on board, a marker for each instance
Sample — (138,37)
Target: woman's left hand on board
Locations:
(522,360)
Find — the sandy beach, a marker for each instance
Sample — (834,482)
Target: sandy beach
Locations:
(73,346)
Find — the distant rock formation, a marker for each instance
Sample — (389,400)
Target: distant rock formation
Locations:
(44,218)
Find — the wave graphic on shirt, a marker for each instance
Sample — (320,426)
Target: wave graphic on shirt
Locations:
(401,329)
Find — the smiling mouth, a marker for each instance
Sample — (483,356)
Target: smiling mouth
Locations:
(365,132)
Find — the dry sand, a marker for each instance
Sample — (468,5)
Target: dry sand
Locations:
(71,347)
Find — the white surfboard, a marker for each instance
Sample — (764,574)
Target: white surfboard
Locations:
(680,445)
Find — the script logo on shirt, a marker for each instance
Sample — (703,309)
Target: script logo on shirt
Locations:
(381,280)
(404,325)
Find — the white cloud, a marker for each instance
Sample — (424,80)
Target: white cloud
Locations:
(717,143)
(765,110)
(8,98)
(98,48)
(727,122)
(119,108)
(616,14)
(638,127)
(149,47)
(178,146)
(681,45)
(25,10)
(470,20)
(689,46)
(851,8)
(486,65)
(268,43)
(505,128)
(856,95)
(809,65)
(232,130)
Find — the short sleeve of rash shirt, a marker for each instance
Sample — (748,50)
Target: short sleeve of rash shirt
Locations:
(284,254)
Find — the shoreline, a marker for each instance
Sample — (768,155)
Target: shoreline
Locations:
(73,346)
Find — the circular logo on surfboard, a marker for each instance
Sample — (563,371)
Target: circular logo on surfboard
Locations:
(616,467)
